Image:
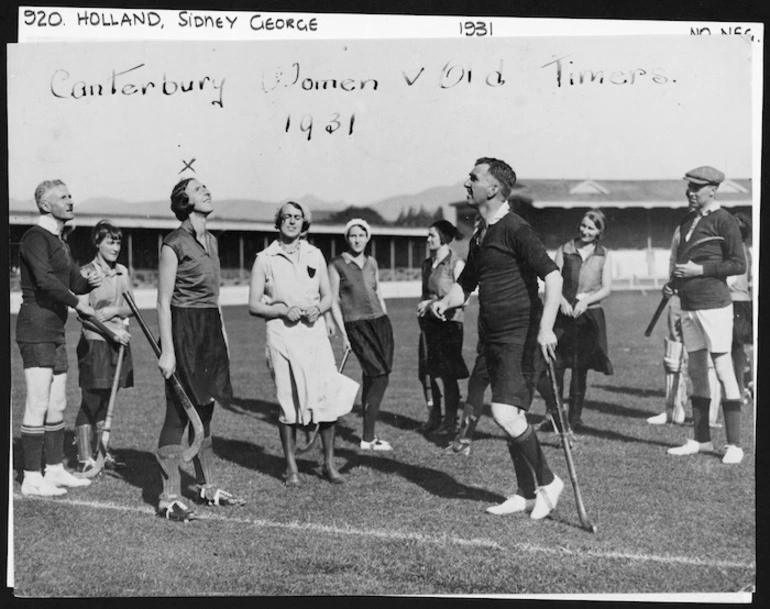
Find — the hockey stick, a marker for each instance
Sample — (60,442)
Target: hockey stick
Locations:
(176,385)
(93,324)
(311,439)
(584,521)
(100,451)
(665,298)
(426,379)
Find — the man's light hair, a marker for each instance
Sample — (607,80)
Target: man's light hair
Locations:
(44,188)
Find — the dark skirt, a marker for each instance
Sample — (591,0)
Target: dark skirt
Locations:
(743,325)
(442,355)
(97,362)
(372,342)
(202,362)
(590,330)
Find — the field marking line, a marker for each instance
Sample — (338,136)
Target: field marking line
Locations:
(445,539)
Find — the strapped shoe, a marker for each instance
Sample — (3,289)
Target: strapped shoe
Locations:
(57,475)
(37,486)
(111,463)
(291,479)
(658,419)
(547,498)
(332,475)
(514,503)
(733,455)
(218,497)
(176,511)
(691,447)
(86,466)
(375,444)
(459,446)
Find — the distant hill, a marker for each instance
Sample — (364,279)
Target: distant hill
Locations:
(255,210)
(430,200)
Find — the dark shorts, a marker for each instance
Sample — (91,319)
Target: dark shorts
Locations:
(513,370)
(44,355)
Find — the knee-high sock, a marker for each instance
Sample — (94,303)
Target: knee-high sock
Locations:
(529,447)
(452,398)
(54,443)
(32,447)
(739,366)
(700,418)
(204,463)
(170,459)
(732,412)
(525,477)
(377,386)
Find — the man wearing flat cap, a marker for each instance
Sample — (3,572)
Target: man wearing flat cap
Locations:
(709,250)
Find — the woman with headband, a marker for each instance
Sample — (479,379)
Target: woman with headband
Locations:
(359,312)
(580,326)
(443,354)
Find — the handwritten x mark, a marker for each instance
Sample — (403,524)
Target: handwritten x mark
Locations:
(187,165)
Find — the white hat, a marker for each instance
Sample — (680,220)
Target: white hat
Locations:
(358,222)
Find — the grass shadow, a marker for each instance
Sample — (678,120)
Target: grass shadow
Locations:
(434,481)
(635,391)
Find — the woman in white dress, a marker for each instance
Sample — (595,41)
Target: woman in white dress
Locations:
(290,290)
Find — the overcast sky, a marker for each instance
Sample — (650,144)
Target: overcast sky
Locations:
(663,106)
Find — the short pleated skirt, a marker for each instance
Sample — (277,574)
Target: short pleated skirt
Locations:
(98,361)
(372,342)
(583,340)
(442,355)
(202,361)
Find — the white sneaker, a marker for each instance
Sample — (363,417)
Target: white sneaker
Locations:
(733,455)
(57,475)
(34,484)
(658,419)
(547,498)
(514,503)
(375,444)
(691,447)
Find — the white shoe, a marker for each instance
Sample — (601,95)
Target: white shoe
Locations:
(375,444)
(547,498)
(733,455)
(691,447)
(34,484)
(56,474)
(658,419)
(514,503)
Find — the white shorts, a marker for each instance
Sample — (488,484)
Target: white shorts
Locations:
(710,329)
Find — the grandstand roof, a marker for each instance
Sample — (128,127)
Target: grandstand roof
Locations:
(624,193)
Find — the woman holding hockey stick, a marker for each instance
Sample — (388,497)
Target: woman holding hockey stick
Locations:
(359,311)
(580,326)
(290,290)
(443,357)
(193,344)
(97,355)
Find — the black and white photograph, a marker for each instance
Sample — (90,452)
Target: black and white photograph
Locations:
(360,305)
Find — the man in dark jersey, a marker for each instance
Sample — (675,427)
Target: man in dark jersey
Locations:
(50,281)
(505,264)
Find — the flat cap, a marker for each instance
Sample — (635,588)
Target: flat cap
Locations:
(704,175)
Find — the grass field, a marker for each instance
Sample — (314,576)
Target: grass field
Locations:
(410,522)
